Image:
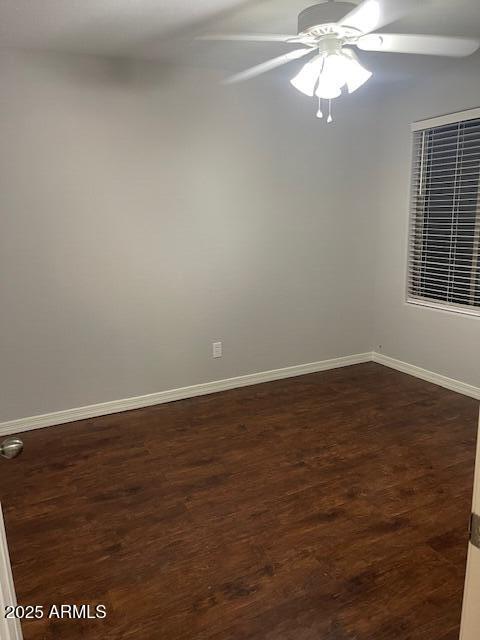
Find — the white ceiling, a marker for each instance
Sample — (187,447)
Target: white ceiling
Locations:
(166,28)
(99,26)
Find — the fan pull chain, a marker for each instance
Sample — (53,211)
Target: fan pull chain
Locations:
(319,112)
(329,119)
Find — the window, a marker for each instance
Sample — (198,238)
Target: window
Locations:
(444,241)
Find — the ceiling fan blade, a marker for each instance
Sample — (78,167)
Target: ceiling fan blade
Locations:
(268,65)
(248,37)
(370,15)
(418,44)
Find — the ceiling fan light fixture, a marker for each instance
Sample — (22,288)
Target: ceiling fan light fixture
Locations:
(328,90)
(357,77)
(356,74)
(332,78)
(306,80)
(340,69)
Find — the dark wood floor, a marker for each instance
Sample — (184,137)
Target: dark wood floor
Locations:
(332,506)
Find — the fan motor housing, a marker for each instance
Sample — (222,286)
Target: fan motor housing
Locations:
(323,13)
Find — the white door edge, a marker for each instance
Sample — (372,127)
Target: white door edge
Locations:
(9,629)
(470,627)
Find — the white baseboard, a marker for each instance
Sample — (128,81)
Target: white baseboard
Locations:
(116,406)
(9,629)
(429,376)
(127,404)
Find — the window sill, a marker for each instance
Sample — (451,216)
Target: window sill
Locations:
(442,306)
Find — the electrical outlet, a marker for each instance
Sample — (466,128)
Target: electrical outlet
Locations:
(217,349)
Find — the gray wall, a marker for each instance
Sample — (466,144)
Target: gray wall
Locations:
(443,342)
(148,212)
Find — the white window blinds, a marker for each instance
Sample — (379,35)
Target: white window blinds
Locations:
(444,240)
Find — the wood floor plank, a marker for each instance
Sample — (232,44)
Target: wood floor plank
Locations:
(333,505)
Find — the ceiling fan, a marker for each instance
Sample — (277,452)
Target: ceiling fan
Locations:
(329,30)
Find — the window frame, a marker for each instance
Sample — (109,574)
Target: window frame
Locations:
(422,125)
